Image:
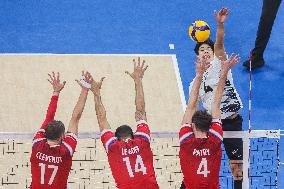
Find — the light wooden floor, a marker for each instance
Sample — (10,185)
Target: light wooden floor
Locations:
(26,92)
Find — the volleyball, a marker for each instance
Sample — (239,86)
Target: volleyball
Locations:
(199,31)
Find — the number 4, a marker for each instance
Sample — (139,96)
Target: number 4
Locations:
(203,164)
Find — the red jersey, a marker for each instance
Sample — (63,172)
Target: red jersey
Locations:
(131,161)
(200,158)
(50,165)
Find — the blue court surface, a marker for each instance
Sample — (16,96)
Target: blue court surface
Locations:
(148,27)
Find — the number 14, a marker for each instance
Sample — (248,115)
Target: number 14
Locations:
(139,162)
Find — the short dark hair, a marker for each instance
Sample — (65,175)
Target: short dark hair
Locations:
(208,42)
(202,120)
(54,130)
(124,131)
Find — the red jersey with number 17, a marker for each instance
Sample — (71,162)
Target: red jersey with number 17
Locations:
(200,158)
(50,165)
(131,161)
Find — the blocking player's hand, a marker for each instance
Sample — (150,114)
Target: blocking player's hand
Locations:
(221,15)
(139,69)
(228,64)
(55,82)
(85,81)
(200,66)
(96,85)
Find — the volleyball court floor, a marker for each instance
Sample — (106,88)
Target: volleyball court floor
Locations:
(133,27)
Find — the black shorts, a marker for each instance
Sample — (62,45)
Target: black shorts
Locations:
(182,186)
(233,146)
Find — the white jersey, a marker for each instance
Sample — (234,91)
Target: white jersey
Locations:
(231,102)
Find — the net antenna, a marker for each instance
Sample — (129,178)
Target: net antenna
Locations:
(246,160)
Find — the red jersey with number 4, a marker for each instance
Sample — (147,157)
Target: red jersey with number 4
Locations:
(131,161)
(200,158)
(50,165)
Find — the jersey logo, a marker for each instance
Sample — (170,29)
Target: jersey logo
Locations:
(207,88)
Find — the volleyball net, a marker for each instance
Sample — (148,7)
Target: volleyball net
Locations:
(90,167)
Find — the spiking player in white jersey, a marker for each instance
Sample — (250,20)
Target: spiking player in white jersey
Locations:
(231,102)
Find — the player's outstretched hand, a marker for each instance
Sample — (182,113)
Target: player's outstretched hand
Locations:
(139,70)
(96,85)
(55,82)
(85,81)
(221,15)
(200,66)
(229,63)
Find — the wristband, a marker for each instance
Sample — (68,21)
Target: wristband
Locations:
(85,84)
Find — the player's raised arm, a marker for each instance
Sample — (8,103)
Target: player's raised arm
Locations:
(57,87)
(79,107)
(201,66)
(137,75)
(100,109)
(219,49)
(225,67)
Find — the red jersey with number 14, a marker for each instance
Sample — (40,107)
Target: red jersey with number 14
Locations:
(200,158)
(131,161)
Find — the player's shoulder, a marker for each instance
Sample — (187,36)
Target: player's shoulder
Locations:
(185,133)
(142,123)
(216,121)
(72,136)
(109,140)
(39,137)
(115,148)
(40,146)
(216,130)
(142,131)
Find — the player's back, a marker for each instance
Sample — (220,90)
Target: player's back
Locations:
(200,158)
(203,163)
(50,165)
(131,161)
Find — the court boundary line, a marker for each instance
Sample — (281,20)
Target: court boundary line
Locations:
(173,57)
(179,82)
